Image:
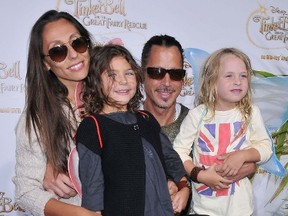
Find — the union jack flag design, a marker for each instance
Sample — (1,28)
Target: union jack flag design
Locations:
(217,139)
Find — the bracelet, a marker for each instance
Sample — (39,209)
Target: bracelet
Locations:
(183,184)
(194,173)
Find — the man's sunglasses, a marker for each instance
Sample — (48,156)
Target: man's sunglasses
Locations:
(159,73)
(59,53)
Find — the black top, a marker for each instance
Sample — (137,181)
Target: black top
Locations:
(133,155)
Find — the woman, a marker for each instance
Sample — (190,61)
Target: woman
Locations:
(58,60)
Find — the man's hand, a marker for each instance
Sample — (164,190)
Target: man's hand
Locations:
(60,185)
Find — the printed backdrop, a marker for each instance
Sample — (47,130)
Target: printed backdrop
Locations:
(259,28)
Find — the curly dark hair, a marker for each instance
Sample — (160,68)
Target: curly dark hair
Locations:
(101,57)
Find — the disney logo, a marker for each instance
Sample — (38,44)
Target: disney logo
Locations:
(277,10)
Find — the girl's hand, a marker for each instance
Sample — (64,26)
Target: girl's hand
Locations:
(232,162)
(210,178)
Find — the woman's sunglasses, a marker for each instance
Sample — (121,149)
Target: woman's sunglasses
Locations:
(59,53)
(159,73)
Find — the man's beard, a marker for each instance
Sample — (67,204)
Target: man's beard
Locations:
(159,105)
(162,106)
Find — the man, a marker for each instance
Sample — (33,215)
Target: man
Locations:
(162,58)
(162,61)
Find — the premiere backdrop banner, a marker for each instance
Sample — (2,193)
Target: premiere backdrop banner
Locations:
(259,28)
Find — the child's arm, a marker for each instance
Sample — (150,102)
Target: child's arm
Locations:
(259,137)
(90,168)
(92,180)
(248,170)
(207,176)
(233,161)
(258,150)
(176,172)
(187,134)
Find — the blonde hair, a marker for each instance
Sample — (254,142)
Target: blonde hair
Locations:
(209,77)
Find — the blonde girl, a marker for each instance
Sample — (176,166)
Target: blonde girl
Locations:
(225,131)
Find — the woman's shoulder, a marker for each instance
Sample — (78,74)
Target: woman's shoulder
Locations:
(21,120)
(25,141)
(20,128)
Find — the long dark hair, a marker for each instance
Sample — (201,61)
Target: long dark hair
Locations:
(101,57)
(46,98)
